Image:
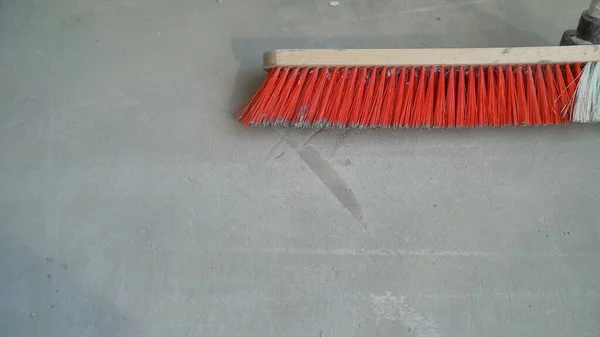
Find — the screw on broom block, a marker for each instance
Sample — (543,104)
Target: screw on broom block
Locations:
(428,88)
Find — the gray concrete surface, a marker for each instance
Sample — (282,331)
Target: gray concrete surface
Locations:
(131,203)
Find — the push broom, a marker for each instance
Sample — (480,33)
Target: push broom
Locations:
(440,88)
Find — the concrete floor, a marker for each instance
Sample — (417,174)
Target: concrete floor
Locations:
(131,203)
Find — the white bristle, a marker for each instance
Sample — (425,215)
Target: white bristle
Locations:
(587,98)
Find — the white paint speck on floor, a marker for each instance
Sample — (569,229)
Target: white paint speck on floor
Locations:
(132,203)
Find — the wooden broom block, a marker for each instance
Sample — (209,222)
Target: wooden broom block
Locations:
(430,57)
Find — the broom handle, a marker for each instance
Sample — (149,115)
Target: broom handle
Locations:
(430,57)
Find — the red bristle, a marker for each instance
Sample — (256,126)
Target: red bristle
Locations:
(253,108)
(451,99)
(341,94)
(461,103)
(314,101)
(577,75)
(355,110)
(542,94)
(338,96)
(346,106)
(571,87)
(308,94)
(492,106)
(324,105)
(378,100)
(407,103)
(532,100)
(388,98)
(276,116)
(482,99)
(512,105)
(522,107)
(578,71)
(552,95)
(416,118)
(267,106)
(367,104)
(400,99)
(427,112)
(471,117)
(270,104)
(503,113)
(440,100)
(415,96)
(563,94)
(266,85)
(289,107)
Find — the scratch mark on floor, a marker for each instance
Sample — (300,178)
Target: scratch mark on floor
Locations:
(532,153)
(408,11)
(6,126)
(283,137)
(537,141)
(311,136)
(153,282)
(41,54)
(407,252)
(336,185)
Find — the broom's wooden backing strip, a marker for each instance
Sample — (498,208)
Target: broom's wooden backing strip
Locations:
(429,57)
